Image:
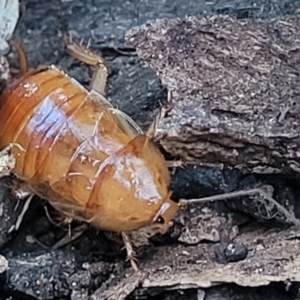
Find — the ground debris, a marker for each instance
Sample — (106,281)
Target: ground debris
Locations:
(234,89)
(7,162)
(41,275)
(120,290)
(9,15)
(3,264)
(272,258)
(12,210)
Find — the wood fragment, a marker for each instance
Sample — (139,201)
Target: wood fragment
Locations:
(234,88)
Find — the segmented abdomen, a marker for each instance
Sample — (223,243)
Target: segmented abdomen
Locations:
(65,134)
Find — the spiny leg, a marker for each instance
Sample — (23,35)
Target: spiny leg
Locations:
(76,233)
(85,55)
(151,132)
(130,252)
(71,234)
(65,220)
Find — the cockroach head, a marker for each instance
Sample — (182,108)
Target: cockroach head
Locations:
(164,216)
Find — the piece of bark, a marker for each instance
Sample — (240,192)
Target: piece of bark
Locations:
(273,257)
(234,87)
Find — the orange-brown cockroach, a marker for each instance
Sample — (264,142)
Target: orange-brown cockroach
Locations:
(89,160)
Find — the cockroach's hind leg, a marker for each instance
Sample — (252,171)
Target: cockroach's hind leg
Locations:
(131,256)
(22,57)
(85,55)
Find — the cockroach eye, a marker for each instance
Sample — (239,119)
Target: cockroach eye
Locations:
(159,220)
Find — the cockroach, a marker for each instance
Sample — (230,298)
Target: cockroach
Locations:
(91,161)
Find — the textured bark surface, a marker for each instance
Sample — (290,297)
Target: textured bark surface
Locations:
(234,88)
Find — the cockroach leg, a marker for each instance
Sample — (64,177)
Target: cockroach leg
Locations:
(25,208)
(130,252)
(76,233)
(25,195)
(175,163)
(64,241)
(21,189)
(152,131)
(264,191)
(9,147)
(52,221)
(23,66)
(31,239)
(98,82)
(65,220)
(20,218)
(85,55)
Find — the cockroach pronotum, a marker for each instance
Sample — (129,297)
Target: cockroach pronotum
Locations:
(89,160)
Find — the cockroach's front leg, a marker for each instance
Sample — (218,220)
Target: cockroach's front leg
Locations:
(130,251)
(152,131)
(85,55)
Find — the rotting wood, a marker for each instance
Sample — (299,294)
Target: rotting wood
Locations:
(234,87)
